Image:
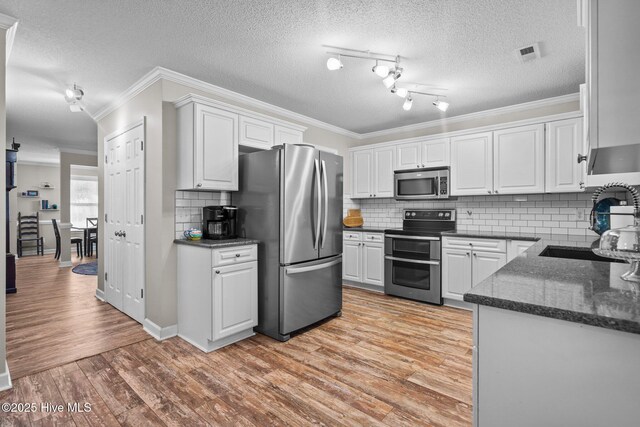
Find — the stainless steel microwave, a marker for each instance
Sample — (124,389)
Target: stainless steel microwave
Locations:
(421,184)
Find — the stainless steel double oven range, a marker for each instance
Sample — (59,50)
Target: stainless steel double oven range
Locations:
(412,254)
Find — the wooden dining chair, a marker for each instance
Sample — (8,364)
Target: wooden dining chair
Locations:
(29,231)
(92,236)
(74,240)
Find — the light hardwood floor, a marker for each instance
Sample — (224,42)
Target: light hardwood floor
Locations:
(386,361)
(55,318)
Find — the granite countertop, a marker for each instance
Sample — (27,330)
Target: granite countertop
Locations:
(492,235)
(588,292)
(212,244)
(365,229)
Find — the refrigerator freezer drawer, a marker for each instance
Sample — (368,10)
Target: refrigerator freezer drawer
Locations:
(311,292)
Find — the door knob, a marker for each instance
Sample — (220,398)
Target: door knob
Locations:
(581,158)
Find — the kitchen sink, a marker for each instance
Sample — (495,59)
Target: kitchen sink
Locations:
(575,253)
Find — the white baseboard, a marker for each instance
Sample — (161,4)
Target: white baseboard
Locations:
(33,252)
(100,294)
(159,333)
(457,304)
(5,378)
(365,286)
(64,264)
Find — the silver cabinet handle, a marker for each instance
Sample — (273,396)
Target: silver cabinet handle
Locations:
(397,236)
(296,270)
(582,158)
(237,255)
(199,185)
(489,191)
(412,261)
(582,185)
(217,271)
(115,233)
(123,233)
(496,191)
(417,166)
(466,253)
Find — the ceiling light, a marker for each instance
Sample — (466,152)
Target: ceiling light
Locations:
(334,64)
(441,105)
(407,103)
(74,93)
(75,107)
(389,80)
(380,70)
(402,92)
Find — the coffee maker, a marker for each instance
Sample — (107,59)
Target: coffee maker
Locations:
(219,222)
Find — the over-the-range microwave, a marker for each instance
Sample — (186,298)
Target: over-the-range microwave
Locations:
(421,184)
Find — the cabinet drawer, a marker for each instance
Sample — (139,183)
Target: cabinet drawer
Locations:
(234,255)
(374,237)
(350,235)
(489,245)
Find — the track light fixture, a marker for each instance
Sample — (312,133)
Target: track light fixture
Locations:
(73,96)
(390,74)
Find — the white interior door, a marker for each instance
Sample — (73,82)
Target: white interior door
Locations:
(124,232)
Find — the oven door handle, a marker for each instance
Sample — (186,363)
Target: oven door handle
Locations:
(397,236)
(412,261)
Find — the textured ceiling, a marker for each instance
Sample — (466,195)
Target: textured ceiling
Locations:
(271,50)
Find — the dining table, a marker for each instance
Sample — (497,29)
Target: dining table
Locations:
(86,233)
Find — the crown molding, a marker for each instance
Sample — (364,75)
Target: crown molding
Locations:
(7,21)
(547,102)
(161,73)
(78,151)
(10,25)
(36,163)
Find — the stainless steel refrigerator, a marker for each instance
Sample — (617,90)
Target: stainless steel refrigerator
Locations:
(290,198)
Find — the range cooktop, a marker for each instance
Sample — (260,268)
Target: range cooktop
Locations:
(425,222)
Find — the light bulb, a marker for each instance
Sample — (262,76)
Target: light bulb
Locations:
(380,70)
(69,93)
(389,80)
(441,105)
(402,92)
(407,104)
(334,64)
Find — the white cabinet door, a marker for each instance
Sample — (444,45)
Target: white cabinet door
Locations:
(564,142)
(256,133)
(408,156)
(373,263)
(383,166)
(285,135)
(472,164)
(362,174)
(518,160)
(516,247)
(351,261)
(456,272)
(235,299)
(216,149)
(485,264)
(435,153)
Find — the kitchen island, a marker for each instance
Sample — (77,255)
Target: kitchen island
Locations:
(556,341)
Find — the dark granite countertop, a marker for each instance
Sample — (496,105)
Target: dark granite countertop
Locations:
(588,292)
(212,244)
(492,235)
(365,229)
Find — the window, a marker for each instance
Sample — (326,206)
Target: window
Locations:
(84,199)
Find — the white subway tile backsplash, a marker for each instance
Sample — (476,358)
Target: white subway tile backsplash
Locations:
(189,206)
(540,213)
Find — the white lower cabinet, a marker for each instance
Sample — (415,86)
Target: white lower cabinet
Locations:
(516,247)
(363,258)
(217,294)
(467,262)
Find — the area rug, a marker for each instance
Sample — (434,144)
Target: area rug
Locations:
(88,269)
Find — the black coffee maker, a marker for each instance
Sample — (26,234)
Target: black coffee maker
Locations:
(219,222)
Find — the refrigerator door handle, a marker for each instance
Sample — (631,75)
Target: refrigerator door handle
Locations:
(296,270)
(316,238)
(326,203)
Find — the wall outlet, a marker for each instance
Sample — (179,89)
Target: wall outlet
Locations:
(579,214)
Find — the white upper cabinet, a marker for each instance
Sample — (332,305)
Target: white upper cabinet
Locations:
(207,148)
(423,154)
(383,165)
(408,156)
(518,160)
(372,172)
(472,164)
(564,143)
(284,135)
(256,133)
(362,174)
(435,153)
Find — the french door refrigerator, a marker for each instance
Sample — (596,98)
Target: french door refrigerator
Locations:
(290,198)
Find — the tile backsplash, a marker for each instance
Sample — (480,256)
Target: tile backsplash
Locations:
(564,213)
(189,206)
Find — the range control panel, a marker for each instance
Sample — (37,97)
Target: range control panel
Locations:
(430,214)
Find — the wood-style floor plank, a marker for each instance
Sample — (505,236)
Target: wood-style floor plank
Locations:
(55,319)
(386,361)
